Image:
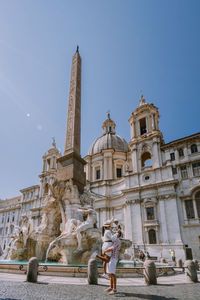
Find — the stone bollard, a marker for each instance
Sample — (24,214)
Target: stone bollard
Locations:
(32,270)
(92,271)
(179,263)
(150,272)
(190,271)
(196,264)
(163,261)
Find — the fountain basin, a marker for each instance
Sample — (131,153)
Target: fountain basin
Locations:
(57,269)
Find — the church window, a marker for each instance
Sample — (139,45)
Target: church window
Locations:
(146,159)
(150,213)
(152,236)
(143,128)
(172,156)
(1,231)
(11,229)
(13,217)
(189,209)
(180,152)
(8,219)
(4,246)
(46,189)
(184,173)
(197,200)
(146,177)
(49,163)
(98,173)
(119,172)
(196,169)
(174,171)
(194,148)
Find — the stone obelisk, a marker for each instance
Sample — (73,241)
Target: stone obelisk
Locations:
(71,165)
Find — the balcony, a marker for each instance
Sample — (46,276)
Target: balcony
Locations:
(149,223)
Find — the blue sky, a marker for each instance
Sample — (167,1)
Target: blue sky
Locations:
(127,48)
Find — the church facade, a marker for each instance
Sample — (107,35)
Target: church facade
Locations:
(152,188)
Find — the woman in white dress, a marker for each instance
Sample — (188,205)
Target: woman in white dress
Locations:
(107,243)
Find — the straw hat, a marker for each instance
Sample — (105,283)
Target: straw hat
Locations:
(107,223)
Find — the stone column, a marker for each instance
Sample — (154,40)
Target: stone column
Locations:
(153,122)
(134,159)
(195,209)
(163,221)
(132,129)
(156,154)
(128,220)
(137,232)
(110,168)
(44,165)
(105,175)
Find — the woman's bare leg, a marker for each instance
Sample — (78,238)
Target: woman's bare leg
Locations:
(104,258)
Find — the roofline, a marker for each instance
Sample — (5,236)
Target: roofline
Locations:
(181,139)
(29,188)
(10,199)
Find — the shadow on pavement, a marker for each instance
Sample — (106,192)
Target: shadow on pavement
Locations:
(41,282)
(9,299)
(143,296)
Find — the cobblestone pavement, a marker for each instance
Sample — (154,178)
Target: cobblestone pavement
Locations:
(14,287)
(51,291)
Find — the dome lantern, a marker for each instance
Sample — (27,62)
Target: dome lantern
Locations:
(108,126)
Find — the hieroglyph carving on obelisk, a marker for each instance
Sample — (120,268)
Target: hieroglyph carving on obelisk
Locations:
(72,142)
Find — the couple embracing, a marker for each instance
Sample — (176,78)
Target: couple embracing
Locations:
(110,252)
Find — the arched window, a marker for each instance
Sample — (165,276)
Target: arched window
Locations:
(146,159)
(143,127)
(194,148)
(197,200)
(152,236)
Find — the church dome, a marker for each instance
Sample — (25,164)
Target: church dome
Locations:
(109,139)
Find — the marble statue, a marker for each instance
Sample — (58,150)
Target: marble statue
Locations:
(90,222)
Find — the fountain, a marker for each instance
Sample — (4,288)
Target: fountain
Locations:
(68,230)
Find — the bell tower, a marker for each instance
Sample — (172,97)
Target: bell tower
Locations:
(146,137)
(71,165)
